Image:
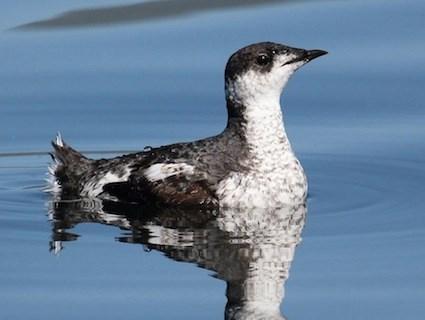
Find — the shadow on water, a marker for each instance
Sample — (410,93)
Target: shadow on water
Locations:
(139,12)
(250,250)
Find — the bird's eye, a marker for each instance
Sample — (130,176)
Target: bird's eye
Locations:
(263,59)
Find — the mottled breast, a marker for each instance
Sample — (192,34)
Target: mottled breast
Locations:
(281,186)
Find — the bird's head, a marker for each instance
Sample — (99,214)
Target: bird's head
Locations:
(257,74)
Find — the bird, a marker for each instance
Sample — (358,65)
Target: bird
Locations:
(250,164)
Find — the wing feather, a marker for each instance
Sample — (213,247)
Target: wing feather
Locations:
(170,183)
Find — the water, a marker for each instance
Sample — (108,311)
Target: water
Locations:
(355,118)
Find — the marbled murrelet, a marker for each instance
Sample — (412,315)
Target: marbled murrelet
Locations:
(249,164)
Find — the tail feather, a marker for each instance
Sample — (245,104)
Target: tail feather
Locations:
(59,140)
(66,168)
(66,155)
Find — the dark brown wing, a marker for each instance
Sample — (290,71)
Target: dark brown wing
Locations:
(175,190)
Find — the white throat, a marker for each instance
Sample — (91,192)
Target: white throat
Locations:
(259,96)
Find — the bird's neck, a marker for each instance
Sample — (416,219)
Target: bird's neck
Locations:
(260,126)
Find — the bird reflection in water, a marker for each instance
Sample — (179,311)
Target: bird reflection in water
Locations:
(251,250)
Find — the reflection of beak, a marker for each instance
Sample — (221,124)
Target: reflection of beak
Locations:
(306,56)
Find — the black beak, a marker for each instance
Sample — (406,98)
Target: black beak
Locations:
(313,54)
(306,55)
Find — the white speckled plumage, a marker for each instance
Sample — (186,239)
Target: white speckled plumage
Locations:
(250,164)
(94,186)
(161,171)
(276,177)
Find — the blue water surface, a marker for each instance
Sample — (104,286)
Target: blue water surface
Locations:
(355,118)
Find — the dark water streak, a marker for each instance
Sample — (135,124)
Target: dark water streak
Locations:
(140,12)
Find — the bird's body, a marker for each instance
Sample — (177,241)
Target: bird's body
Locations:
(250,164)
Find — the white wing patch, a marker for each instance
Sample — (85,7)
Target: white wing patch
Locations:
(161,171)
(95,187)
